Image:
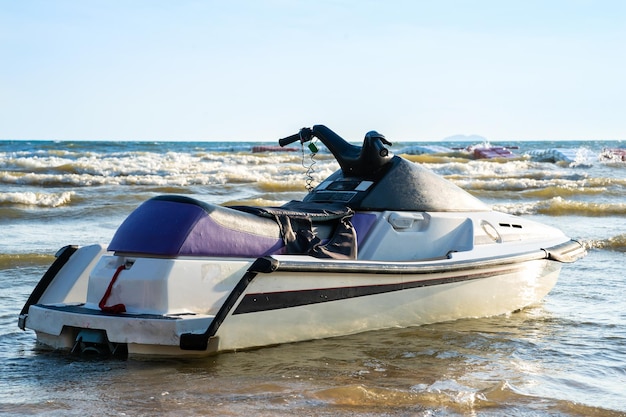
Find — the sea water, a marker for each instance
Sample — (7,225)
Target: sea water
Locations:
(563,356)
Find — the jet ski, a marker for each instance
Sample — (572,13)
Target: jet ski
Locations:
(383,242)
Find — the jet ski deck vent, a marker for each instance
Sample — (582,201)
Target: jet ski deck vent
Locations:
(515,226)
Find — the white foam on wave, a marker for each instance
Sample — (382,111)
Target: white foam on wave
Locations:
(558,206)
(482,168)
(152,169)
(37,199)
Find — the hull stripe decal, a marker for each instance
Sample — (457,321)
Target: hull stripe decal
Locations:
(257,302)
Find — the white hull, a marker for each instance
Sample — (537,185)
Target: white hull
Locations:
(285,303)
(493,295)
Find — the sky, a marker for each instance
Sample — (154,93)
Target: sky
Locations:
(259,70)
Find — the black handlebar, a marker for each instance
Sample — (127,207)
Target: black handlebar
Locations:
(289,139)
(355,161)
(304,135)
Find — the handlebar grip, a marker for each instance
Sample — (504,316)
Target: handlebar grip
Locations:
(289,139)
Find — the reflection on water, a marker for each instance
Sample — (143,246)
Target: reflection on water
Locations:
(486,366)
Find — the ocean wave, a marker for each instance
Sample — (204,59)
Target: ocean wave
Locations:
(515,184)
(516,191)
(557,206)
(11,261)
(458,398)
(614,164)
(529,188)
(556,191)
(449,397)
(436,159)
(486,168)
(36,199)
(615,243)
(168,169)
(510,169)
(138,163)
(201,167)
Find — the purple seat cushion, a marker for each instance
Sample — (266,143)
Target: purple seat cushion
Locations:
(182,226)
(173,225)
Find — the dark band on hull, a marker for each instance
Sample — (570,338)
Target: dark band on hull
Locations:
(254,303)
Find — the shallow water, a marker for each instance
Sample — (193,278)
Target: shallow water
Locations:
(565,356)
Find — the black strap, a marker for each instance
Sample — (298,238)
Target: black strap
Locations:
(295,220)
(63,255)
